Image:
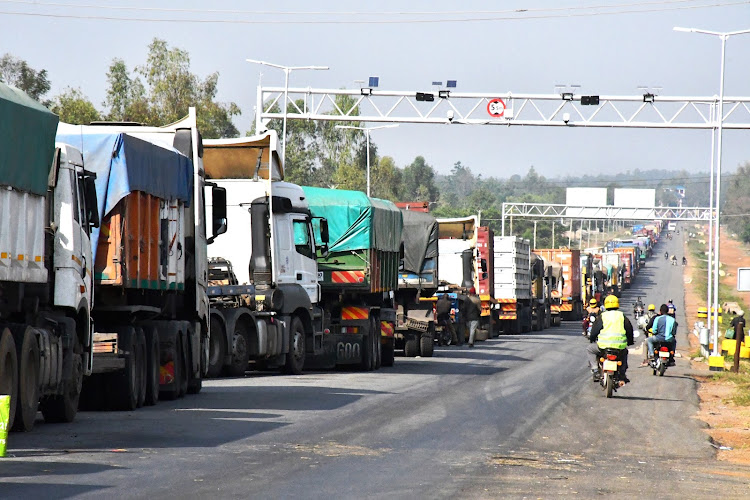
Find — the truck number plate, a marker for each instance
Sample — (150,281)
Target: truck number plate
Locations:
(348,351)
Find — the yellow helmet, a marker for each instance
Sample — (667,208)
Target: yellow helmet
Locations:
(612,302)
(593,302)
(651,307)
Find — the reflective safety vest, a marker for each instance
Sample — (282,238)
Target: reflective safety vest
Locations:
(612,334)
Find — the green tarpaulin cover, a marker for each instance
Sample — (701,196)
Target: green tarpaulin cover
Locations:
(356,222)
(27,141)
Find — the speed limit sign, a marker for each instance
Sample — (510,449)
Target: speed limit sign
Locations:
(496,107)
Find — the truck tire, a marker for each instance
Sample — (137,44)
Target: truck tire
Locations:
(9,371)
(240,352)
(152,366)
(410,347)
(217,349)
(185,371)
(174,389)
(426,345)
(377,345)
(63,408)
(141,365)
(388,357)
(124,393)
(28,381)
(295,358)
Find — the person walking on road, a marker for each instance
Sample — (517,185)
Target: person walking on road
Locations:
(473,312)
(738,323)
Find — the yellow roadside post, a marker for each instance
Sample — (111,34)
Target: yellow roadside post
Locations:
(4,420)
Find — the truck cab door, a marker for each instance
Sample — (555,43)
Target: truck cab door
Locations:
(306,272)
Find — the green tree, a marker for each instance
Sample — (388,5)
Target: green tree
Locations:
(169,90)
(17,72)
(126,96)
(737,204)
(386,179)
(73,107)
(419,182)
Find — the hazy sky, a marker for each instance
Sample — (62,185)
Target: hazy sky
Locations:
(552,42)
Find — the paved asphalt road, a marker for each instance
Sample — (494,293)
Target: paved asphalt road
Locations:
(514,417)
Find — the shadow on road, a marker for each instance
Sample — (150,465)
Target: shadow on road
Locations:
(47,490)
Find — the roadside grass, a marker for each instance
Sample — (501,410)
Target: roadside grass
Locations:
(741,381)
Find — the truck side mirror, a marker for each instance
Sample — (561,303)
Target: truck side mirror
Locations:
(218,212)
(92,206)
(324,236)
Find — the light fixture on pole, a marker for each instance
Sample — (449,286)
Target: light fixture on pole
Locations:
(723,36)
(287,70)
(367,130)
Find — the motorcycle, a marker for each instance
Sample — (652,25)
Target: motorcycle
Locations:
(588,323)
(666,255)
(638,309)
(660,361)
(610,377)
(642,323)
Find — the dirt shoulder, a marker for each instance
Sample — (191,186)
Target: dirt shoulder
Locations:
(728,423)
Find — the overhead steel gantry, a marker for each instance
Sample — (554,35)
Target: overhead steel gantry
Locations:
(550,211)
(564,109)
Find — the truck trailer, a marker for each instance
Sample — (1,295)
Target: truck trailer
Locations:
(47,211)
(358,273)
(150,307)
(571,307)
(417,279)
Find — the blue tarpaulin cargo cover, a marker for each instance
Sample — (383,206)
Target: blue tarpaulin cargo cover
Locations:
(124,163)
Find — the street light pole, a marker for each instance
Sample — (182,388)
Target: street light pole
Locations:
(367,130)
(723,36)
(287,70)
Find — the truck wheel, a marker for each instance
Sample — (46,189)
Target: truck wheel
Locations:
(63,408)
(387,354)
(141,365)
(410,347)
(295,358)
(28,382)
(9,371)
(240,353)
(217,349)
(174,391)
(124,394)
(426,345)
(185,371)
(377,345)
(152,366)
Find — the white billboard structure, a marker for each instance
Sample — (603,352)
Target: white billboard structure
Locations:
(584,202)
(637,198)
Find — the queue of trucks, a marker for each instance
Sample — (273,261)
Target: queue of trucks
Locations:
(136,261)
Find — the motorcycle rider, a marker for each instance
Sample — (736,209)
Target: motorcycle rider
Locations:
(684,261)
(666,255)
(652,315)
(443,310)
(613,330)
(592,308)
(665,329)
(674,260)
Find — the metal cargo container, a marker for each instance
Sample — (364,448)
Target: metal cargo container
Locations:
(512,268)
